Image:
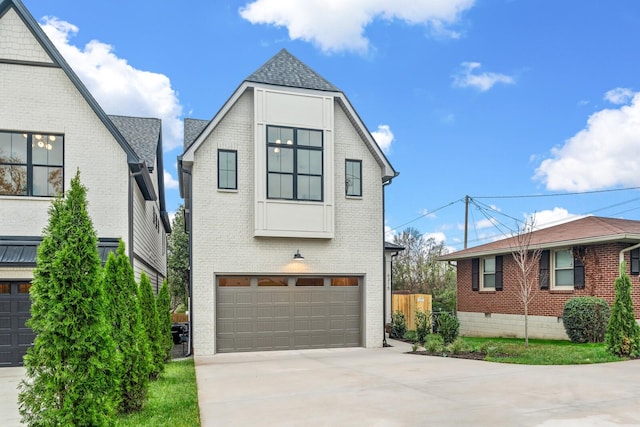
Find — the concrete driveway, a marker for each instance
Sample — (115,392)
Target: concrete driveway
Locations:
(385,387)
(9,379)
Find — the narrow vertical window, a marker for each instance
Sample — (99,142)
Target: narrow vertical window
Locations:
(489,273)
(353,177)
(228,169)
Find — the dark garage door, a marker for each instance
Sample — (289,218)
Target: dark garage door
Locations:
(283,313)
(15,337)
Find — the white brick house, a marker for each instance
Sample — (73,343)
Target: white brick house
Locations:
(285,167)
(50,127)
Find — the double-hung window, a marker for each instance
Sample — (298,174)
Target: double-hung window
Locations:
(294,164)
(489,273)
(228,169)
(563,269)
(353,177)
(31,164)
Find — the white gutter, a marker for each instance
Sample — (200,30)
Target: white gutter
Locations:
(630,248)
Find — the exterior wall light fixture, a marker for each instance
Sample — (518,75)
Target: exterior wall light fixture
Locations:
(298,256)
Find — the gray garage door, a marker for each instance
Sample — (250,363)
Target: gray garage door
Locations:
(15,337)
(282,313)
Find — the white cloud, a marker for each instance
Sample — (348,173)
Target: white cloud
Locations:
(605,153)
(468,77)
(118,87)
(339,25)
(384,137)
(437,236)
(550,217)
(619,95)
(169,181)
(486,223)
(389,233)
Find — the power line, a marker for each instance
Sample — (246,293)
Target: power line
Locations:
(577,193)
(427,213)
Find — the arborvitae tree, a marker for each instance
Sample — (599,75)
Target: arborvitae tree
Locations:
(71,367)
(128,331)
(178,261)
(164,320)
(623,332)
(151,325)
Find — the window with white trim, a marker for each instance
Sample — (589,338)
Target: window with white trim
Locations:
(488,277)
(562,265)
(31,164)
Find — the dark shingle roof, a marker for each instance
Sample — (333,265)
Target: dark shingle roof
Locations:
(284,69)
(142,134)
(586,230)
(193,128)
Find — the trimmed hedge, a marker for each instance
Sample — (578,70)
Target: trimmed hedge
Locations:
(585,319)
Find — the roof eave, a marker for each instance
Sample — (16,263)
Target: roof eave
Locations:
(623,238)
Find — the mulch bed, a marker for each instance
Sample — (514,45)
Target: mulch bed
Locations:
(464,355)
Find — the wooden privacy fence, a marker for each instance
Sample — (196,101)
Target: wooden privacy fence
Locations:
(179,318)
(408,304)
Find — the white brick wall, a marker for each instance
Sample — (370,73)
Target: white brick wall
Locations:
(222,232)
(43,100)
(17,42)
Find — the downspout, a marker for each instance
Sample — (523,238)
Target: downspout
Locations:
(190,342)
(384,271)
(622,252)
(131,177)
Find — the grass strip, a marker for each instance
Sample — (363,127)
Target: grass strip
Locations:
(172,400)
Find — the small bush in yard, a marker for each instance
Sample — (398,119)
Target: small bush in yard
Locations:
(423,325)
(433,343)
(585,319)
(623,332)
(398,325)
(448,327)
(458,346)
(410,336)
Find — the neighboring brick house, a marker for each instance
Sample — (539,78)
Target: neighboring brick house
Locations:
(50,127)
(285,170)
(578,258)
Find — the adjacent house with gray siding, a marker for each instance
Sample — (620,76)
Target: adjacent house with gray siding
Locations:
(284,197)
(50,127)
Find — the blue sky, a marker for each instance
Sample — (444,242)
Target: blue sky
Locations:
(491,99)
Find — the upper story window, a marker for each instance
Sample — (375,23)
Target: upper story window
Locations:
(294,164)
(228,169)
(31,164)
(353,177)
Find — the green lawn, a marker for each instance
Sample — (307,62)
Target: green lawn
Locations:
(172,399)
(539,352)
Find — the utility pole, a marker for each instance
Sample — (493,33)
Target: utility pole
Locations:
(466,220)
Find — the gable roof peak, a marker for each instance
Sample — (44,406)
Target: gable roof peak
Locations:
(284,69)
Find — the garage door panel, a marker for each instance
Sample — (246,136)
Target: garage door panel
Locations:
(267,311)
(255,318)
(5,322)
(25,339)
(5,338)
(5,307)
(6,358)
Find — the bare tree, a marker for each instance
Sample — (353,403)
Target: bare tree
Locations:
(527,261)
